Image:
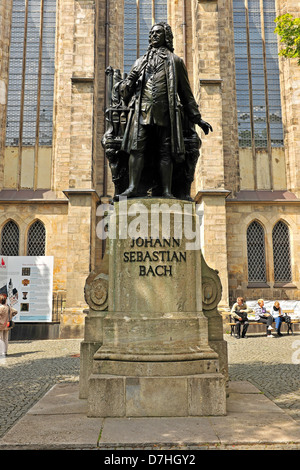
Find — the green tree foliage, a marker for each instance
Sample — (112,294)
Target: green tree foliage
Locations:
(288,28)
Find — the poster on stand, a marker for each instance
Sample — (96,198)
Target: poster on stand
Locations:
(28,283)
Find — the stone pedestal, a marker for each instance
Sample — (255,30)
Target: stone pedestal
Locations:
(155,358)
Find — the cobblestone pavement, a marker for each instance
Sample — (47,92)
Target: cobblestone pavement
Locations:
(271,365)
(33,367)
(30,370)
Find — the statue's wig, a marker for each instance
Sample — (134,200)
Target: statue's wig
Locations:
(168,34)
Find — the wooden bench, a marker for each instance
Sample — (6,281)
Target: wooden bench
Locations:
(253,322)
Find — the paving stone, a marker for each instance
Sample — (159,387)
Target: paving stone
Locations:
(259,368)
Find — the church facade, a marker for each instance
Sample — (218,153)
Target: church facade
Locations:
(53,171)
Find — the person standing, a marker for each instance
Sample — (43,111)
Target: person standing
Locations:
(239,312)
(6,314)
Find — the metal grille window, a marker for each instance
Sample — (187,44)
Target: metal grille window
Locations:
(139,16)
(36,243)
(257,74)
(31,73)
(256,253)
(281,253)
(10,239)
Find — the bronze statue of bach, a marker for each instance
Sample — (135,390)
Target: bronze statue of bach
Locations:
(160,137)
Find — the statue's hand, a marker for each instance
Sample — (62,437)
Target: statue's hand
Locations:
(125,89)
(205,126)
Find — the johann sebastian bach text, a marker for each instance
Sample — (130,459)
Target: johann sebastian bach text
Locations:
(158,258)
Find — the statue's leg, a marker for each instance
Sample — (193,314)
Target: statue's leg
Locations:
(166,164)
(166,169)
(136,165)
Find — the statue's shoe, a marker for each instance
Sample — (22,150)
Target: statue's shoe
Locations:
(128,193)
(168,195)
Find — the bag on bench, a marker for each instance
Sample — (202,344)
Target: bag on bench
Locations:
(243,316)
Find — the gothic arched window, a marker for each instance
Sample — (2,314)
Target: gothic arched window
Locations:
(10,239)
(281,253)
(36,241)
(256,253)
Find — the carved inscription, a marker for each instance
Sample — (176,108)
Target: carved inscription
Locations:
(157,257)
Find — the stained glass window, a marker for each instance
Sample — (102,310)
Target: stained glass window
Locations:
(31,73)
(257,74)
(10,239)
(281,253)
(256,253)
(36,242)
(139,16)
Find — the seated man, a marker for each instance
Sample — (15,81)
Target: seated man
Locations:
(239,312)
(263,316)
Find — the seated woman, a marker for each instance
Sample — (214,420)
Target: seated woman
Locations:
(279,317)
(263,316)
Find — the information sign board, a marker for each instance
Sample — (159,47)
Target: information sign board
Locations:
(28,283)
